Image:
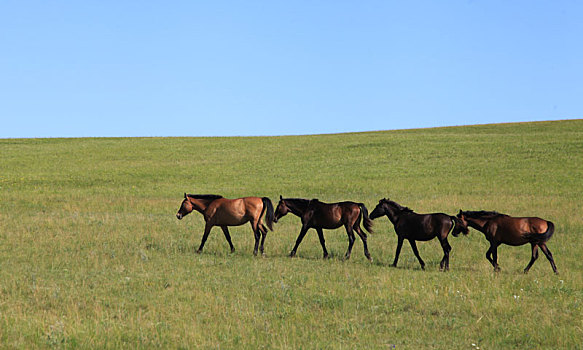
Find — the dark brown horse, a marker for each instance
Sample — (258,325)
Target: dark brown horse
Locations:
(503,229)
(320,215)
(223,212)
(419,227)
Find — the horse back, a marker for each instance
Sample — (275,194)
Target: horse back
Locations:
(330,215)
(350,209)
(229,212)
(424,227)
(520,230)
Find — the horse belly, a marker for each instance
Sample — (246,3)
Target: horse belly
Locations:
(512,233)
(414,229)
(418,235)
(329,226)
(329,217)
(230,220)
(514,240)
(324,223)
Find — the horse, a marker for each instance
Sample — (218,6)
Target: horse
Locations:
(419,227)
(223,212)
(320,215)
(515,231)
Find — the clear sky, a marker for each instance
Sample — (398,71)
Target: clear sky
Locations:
(209,68)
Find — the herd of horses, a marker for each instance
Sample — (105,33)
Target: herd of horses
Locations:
(498,228)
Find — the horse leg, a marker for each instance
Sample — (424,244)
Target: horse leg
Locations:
(322,242)
(255,227)
(416,252)
(263,228)
(399,245)
(494,248)
(549,256)
(263,231)
(228,237)
(299,240)
(489,255)
(534,256)
(351,240)
(444,264)
(362,236)
(207,230)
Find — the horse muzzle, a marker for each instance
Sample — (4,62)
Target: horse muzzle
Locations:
(179,216)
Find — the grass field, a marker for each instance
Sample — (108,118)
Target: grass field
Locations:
(92,256)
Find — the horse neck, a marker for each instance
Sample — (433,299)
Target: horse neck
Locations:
(393,214)
(296,207)
(200,205)
(477,224)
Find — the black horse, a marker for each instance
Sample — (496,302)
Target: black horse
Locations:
(320,215)
(419,227)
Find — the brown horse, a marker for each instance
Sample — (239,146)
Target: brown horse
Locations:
(500,228)
(419,227)
(223,212)
(320,215)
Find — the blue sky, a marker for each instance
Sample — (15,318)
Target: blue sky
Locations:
(211,68)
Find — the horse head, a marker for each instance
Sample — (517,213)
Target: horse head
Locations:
(185,208)
(462,216)
(281,210)
(380,210)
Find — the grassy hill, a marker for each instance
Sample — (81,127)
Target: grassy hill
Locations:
(92,256)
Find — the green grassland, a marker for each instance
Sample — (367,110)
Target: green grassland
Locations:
(92,255)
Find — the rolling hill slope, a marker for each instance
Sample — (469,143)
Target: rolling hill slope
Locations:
(91,254)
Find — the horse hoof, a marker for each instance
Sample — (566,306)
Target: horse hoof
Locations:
(370,260)
(199,251)
(292,255)
(232,250)
(326,256)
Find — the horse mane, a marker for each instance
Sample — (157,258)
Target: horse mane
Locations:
(398,206)
(300,201)
(205,196)
(482,213)
(300,204)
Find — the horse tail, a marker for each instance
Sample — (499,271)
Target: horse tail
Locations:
(367,222)
(545,236)
(458,226)
(268,210)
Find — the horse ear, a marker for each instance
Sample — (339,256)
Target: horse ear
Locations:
(280,197)
(185,195)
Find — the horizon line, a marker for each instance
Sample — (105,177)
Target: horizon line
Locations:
(292,135)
